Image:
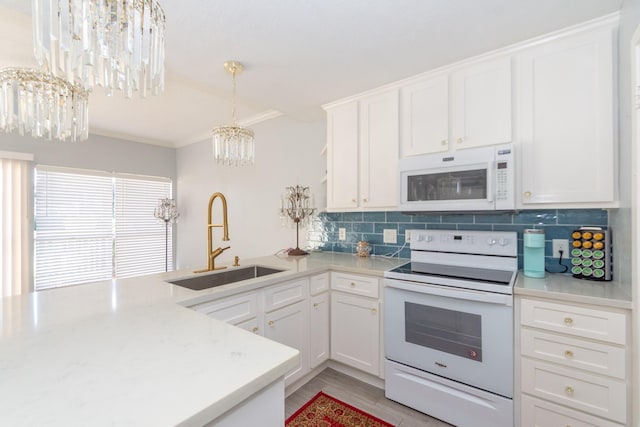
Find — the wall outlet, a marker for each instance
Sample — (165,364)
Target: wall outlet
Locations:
(342,234)
(390,236)
(560,245)
(407,236)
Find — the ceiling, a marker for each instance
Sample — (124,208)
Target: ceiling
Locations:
(298,54)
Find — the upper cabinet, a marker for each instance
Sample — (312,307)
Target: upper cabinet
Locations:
(566,120)
(469,107)
(362,153)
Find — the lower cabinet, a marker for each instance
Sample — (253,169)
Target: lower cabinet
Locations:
(288,326)
(355,331)
(318,329)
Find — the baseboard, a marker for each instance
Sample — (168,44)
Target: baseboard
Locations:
(292,388)
(357,374)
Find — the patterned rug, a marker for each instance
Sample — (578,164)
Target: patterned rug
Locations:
(325,411)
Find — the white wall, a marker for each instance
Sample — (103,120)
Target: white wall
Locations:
(288,152)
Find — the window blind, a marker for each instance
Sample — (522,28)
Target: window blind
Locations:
(93,226)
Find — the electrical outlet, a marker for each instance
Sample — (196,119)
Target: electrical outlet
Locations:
(390,236)
(407,235)
(560,245)
(342,234)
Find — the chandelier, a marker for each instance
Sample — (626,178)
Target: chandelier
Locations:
(168,212)
(118,45)
(233,145)
(41,105)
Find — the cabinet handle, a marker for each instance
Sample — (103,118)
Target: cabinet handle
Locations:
(374,310)
(255,329)
(365,200)
(353,284)
(568,354)
(271,322)
(353,200)
(460,140)
(568,321)
(568,390)
(527,194)
(443,142)
(315,305)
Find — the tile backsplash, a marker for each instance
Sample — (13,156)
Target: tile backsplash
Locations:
(557,224)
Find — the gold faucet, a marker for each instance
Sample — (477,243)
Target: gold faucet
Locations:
(211,253)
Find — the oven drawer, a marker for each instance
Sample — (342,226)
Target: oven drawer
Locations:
(540,413)
(579,321)
(356,284)
(593,394)
(576,353)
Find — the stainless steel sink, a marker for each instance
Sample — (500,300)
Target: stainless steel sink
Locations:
(206,281)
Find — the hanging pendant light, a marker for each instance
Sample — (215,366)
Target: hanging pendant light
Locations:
(41,105)
(118,45)
(232,144)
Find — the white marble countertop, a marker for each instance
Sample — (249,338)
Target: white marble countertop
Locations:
(127,352)
(564,287)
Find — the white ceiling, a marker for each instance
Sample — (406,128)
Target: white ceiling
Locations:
(298,54)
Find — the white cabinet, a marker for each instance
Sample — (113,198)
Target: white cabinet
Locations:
(574,364)
(288,326)
(237,310)
(318,329)
(362,153)
(355,325)
(566,125)
(470,107)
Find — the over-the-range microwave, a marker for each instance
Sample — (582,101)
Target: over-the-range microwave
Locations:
(475,179)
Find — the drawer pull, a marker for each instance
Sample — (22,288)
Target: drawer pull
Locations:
(460,140)
(315,305)
(568,354)
(271,323)
(443,142)
(353,284)
(568,390)
(255,329)
(568,321)
(374,310)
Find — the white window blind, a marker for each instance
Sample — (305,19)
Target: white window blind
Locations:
(139,236)
(93,226)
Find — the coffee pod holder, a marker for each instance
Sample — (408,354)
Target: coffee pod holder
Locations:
(591,254)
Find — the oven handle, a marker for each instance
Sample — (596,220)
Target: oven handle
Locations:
(450,292)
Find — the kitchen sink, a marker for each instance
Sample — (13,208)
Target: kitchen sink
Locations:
(207,281)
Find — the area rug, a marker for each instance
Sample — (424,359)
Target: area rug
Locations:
(325,411)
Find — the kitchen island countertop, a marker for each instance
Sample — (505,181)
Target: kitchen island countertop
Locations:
(128,352)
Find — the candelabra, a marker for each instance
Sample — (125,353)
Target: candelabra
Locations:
(167,212)
(297,207)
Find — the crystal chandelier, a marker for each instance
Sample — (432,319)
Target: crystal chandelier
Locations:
(115,44)
(168,212)
(42,106)
(233,145)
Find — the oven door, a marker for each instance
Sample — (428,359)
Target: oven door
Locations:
(463,335)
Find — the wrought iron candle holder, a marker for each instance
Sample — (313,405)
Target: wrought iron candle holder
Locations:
(297,207)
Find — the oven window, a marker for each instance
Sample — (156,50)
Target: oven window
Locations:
(460,185)
(450,331)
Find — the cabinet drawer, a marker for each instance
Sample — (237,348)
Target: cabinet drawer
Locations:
(284,294)
(540,413)
(579,321)
(319,283)
(576,353)
(234,309)
(252,325)
(356,284)
(599,396)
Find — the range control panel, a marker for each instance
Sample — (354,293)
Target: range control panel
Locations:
(499,243)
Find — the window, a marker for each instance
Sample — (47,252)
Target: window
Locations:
(92,226)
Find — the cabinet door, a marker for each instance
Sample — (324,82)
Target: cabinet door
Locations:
(424,115)
(566,125)
(288,326)
(318,329)
(379,140)
(481,104)
(355,332)
(342,156)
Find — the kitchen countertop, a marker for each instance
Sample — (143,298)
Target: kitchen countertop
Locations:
(128,352)
(564,287)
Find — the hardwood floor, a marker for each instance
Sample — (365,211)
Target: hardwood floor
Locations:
(361,395)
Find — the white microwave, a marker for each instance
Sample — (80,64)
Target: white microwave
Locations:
(475,179)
